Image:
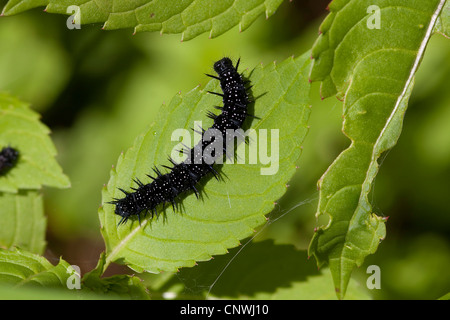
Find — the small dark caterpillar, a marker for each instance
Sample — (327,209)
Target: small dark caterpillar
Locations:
(185,175)
(8,157)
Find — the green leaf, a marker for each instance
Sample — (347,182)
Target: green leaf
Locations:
(123,286)
(373,71)
(23,221)
(188,17)
(21,268)
(262,270)
(229,210)
(443,22)
(21,129)
(445,297)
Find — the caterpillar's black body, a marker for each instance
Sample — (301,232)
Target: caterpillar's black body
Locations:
(185,176)
(8,157)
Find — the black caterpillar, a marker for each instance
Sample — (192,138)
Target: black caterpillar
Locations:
(184,176)
(8,157)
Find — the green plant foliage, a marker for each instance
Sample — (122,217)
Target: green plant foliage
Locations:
(262,270)
(373,71)
(100,91)
(21,129)
(23,221)
(201,231)
(21,268)
(445,297)
(121,285)
(443,23)
(188,17)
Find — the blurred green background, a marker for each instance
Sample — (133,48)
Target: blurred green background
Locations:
(97,90)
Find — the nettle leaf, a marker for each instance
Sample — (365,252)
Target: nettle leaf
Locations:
(373,71)
(262,270)
(188,17)
(229,210)
(21,129)
(21,268)
(23,221)
(121,285)
(443,22)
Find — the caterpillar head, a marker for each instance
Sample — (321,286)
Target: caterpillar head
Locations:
(223,65)
(126,207)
